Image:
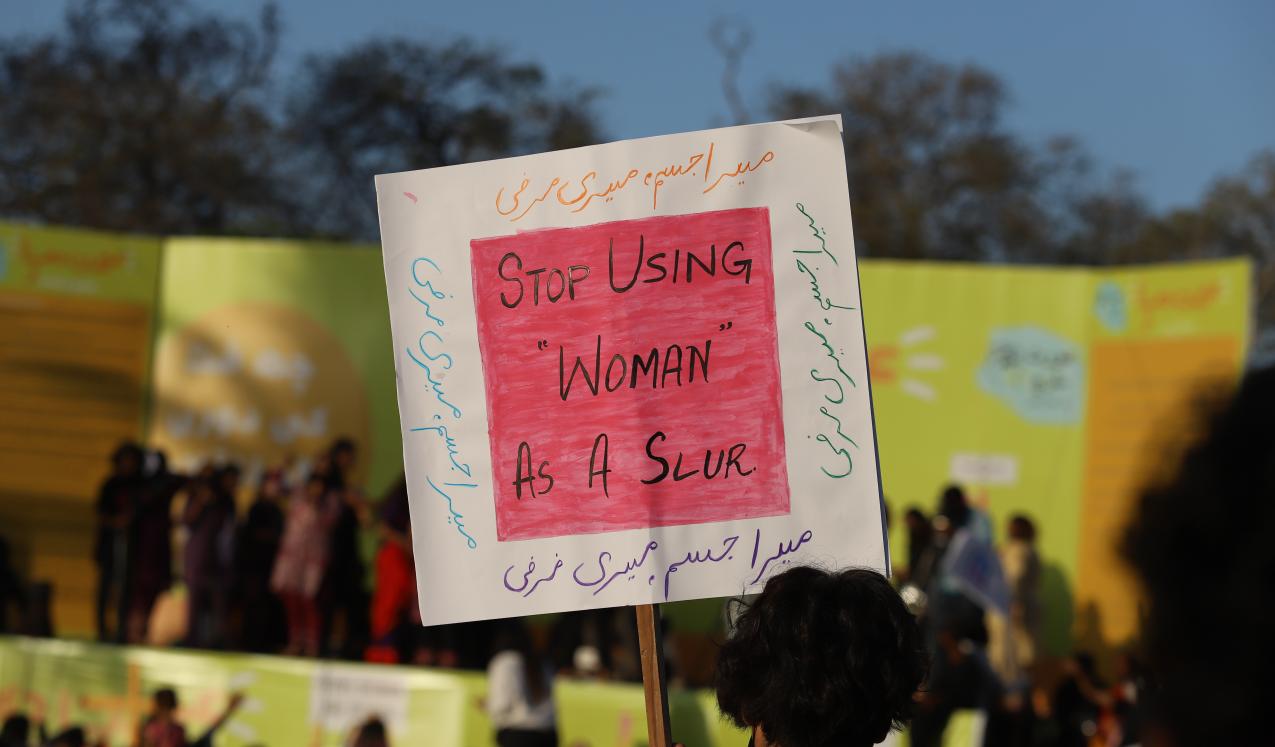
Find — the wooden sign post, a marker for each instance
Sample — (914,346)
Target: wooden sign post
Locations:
(651,649)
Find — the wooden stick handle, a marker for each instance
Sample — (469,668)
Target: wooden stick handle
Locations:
(651,647)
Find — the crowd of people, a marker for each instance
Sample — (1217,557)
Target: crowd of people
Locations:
(980,611)
(161,727)
(823,658)
(287,574)
(836,659)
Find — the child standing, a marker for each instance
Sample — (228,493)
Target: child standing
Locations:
(301,563)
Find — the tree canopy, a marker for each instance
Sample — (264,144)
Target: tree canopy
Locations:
(151,116)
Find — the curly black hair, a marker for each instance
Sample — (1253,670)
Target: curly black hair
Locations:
(1203,545)
(822,658)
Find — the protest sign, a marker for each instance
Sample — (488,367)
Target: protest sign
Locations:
(631,373)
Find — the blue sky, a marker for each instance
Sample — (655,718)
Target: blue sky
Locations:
(1175,92)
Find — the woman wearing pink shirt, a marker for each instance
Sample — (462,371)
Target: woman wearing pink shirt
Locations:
(302,561)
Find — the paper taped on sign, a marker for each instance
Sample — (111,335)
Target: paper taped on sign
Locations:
(631,373)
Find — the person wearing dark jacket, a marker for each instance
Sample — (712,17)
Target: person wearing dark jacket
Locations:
(150,557)
(255,553)
(343,594)
(117,499)
(209,515)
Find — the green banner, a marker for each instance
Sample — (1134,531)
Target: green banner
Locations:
(267,350)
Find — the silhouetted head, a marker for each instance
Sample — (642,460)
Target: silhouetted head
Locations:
(228,479)
(821,659)
(915,520)
(954,506)
(15,730)
(1022,528)
(272,485)
(165,700)
(126,460)
(371,733)
(315,485)
(72,737)
(1202,543)
(343,455)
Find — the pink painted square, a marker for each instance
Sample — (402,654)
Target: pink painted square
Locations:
(658,333)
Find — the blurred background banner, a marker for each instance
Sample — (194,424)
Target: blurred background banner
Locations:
(107,688)
(77,315)
(1041,389)
(267,350)
(77,311)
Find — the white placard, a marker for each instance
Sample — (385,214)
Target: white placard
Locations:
(984,470)
(342,698)
(631,373)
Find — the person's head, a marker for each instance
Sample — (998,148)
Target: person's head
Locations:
(513,635)
(371,733)
(342,455)
(395,511)
(156,463)
(228,479)
(126,460)
(272,485)
(202,490)
(1127,666)
(915,521)
(15,730)
(165,702)
(72,737)
(1021,528)
(954,506)
(821,659)
(314,487)
(1202,543)
(1085,664)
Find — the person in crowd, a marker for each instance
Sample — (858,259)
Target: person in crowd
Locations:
(16,731)
(370,733)
(574,640)
(1124,701)
(255,552)
(1013,639)
(966,581)
(344,594)
(920,533)
(520,691)
(208,516)
(150,566)
(821,658)
(1077,709)
(394,616)
(950,606)
(960,679)
(74,736)
(161,728)
(301,562)
(1201,543)
(116,500)
(12,594)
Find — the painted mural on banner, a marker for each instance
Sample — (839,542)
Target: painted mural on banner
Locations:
(631,373)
